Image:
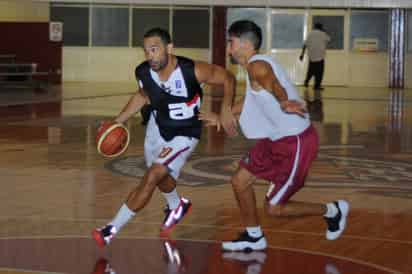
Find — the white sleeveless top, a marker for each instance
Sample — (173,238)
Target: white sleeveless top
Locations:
(262,116)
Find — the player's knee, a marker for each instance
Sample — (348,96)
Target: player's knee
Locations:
(155,174)
(241,180)
(238,183)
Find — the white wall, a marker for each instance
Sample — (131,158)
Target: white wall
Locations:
(107,64)
(23,11)
(368,69)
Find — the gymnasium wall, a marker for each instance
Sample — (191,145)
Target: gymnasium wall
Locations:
(79,64)
(103,42)
(29,41)
(110,64)
(261,3)
(23,11)
(116,64)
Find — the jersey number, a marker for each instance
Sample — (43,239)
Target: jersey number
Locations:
(182,111)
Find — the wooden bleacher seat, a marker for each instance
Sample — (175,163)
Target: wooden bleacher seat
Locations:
(7,58)
(20,75)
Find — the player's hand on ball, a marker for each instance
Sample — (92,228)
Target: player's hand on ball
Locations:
(103,124)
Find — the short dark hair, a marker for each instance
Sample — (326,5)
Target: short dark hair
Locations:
(159,32)
(249,30)
(318,26)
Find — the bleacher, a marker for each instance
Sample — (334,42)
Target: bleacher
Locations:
(20,75)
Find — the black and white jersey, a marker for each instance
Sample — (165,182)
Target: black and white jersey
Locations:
(176,102)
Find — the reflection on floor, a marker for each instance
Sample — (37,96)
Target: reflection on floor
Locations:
(56,189)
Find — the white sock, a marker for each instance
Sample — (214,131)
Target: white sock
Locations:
(122,217)
(254,231)
(331,210)
(172,198)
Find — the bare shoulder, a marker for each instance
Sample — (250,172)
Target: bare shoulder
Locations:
(202,66)
(259,68)
(209,73)
(202,69)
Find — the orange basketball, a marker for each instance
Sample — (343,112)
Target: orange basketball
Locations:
(112,139)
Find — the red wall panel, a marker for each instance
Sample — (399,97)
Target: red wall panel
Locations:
(30,43)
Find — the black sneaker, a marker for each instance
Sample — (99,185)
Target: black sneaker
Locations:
(104,235)
(246,243)
(337,224)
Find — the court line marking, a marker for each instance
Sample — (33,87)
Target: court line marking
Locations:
(96,96)
(18,270)
(318,253)
(225,227)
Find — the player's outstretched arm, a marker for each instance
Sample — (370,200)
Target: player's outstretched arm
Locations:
(213,119)
(216,75)
(135,103)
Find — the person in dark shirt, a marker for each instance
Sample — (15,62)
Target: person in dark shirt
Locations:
(171,85)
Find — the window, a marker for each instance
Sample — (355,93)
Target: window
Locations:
(110,26)
(287,31)
(334,27)
(191,28)
(257,15)
(75,24)
(145,19)
(370,25)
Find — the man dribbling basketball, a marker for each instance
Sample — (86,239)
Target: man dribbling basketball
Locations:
(171,84)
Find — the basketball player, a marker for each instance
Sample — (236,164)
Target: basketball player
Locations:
(171,85)
(273,113)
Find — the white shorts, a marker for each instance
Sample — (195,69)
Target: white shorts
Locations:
(173,154)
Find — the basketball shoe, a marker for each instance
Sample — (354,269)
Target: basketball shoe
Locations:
(245,242)
(173,217)
(104,235)
(337,224)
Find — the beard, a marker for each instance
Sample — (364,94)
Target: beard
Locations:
(159,65)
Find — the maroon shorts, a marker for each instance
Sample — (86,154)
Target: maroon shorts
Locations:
(284,162)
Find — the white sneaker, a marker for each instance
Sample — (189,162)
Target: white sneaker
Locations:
(245,242)
(337,224)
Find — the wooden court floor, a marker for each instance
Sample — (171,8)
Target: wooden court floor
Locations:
(55,189)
